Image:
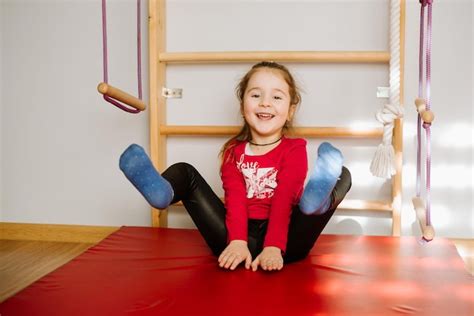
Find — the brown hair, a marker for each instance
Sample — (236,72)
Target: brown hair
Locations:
(295,99)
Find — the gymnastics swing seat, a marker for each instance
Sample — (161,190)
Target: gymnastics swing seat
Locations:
(427,231)
(119,95)
(164,271)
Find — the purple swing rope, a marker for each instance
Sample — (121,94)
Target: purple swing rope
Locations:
(425,42)
(105,57)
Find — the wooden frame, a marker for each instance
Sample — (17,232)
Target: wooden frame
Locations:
(159,130)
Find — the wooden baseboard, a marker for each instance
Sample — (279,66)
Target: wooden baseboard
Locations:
(54,232)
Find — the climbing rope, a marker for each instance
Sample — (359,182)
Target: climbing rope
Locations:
(383,163)
(424,120)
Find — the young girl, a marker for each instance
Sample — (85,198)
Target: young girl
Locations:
(267,218)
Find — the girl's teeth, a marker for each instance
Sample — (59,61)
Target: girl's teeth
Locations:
(264,116)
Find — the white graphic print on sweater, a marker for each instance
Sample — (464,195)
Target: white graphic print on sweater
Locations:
(260,182)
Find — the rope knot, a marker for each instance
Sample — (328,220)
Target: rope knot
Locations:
(426,2)
(389,113)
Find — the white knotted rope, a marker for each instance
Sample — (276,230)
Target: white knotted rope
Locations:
(383,163)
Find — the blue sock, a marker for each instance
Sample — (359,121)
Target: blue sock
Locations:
(316,197)
(138,168)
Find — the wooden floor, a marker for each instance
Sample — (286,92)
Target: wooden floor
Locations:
(23,262)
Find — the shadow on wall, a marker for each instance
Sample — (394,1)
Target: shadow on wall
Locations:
(346,226)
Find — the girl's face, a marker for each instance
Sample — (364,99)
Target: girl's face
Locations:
(266,105)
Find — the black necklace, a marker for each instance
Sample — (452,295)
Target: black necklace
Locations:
(268,144)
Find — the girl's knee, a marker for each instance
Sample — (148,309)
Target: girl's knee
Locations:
(343,186)
(182,169)
(345,182)
(180,166)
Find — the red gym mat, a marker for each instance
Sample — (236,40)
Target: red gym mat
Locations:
(159,271)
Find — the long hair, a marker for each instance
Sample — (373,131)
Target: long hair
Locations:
(295,99)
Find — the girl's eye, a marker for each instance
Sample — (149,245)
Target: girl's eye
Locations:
(277,97)
(255,95)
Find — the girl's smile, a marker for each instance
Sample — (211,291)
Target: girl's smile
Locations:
(265,116)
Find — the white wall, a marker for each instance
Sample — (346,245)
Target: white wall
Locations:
(61,142)
(60,156)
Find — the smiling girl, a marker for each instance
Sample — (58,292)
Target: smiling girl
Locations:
(267,218)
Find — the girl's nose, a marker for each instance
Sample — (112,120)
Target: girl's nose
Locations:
(265,102)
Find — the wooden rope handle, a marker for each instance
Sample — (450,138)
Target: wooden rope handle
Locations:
(121,96)
(427,231)
(426,115)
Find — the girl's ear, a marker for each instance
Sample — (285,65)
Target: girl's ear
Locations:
(291,112)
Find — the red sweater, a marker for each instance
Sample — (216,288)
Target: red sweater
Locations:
(263,187)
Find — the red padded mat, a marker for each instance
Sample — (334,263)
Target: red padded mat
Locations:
(159,271)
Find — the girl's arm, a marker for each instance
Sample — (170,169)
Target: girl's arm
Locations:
(291,176)
(235,198)
(236,216)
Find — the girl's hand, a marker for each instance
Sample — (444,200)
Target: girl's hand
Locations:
(269,259)
(236,252)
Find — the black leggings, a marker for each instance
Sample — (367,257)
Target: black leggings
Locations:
(208,213)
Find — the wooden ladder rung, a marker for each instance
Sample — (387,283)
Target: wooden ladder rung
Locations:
(280,56)
(367,205)
(353,205)
(186,130)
